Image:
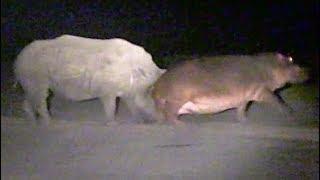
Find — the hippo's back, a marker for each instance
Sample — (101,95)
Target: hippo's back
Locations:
(209,74)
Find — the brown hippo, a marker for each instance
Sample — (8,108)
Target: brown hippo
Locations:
(215,84)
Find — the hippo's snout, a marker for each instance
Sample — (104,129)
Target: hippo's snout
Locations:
(299,74)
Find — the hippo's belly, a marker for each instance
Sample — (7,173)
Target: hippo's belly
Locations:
(208,105)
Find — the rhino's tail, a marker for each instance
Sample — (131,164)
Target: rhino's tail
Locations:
(15,84)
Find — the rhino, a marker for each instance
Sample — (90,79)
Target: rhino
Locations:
(79,68)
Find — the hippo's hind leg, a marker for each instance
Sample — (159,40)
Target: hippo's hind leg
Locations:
(109,105)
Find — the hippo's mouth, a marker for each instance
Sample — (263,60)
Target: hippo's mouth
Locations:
(300,76)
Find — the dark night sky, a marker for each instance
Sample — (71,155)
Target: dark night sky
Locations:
(169,27)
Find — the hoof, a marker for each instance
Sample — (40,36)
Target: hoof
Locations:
(43,122)
(113,123)
(177,123)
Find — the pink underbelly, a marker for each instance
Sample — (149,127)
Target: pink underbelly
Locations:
(208,105)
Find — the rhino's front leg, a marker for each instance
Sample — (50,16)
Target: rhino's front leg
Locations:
(133,107)
(109,105)
(143,106)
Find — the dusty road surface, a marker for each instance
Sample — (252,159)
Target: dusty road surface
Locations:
(78,146)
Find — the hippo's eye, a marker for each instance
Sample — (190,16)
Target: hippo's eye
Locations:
(290,59)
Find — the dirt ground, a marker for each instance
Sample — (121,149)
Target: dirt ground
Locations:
(78,145)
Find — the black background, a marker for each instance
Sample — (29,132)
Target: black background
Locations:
(167,28)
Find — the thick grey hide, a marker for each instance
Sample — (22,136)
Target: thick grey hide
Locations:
(80,68)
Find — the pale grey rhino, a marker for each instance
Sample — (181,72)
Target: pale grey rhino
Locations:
(80,68)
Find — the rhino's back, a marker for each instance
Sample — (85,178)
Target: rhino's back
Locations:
(84,63)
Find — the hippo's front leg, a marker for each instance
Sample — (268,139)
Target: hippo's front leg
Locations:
(109,105)
(171,113)
(241,112)
(268,97)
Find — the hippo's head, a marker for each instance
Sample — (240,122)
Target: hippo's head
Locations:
(285,71)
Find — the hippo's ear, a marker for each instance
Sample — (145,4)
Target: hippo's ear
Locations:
(280,56)
(284,59)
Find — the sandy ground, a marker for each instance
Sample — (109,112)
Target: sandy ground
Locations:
(78,145)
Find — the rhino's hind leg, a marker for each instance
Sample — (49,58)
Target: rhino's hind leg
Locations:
(35,105)
(109,105)
(28,108)
(41,104)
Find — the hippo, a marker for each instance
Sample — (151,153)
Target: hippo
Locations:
(218,83)
(79,68)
